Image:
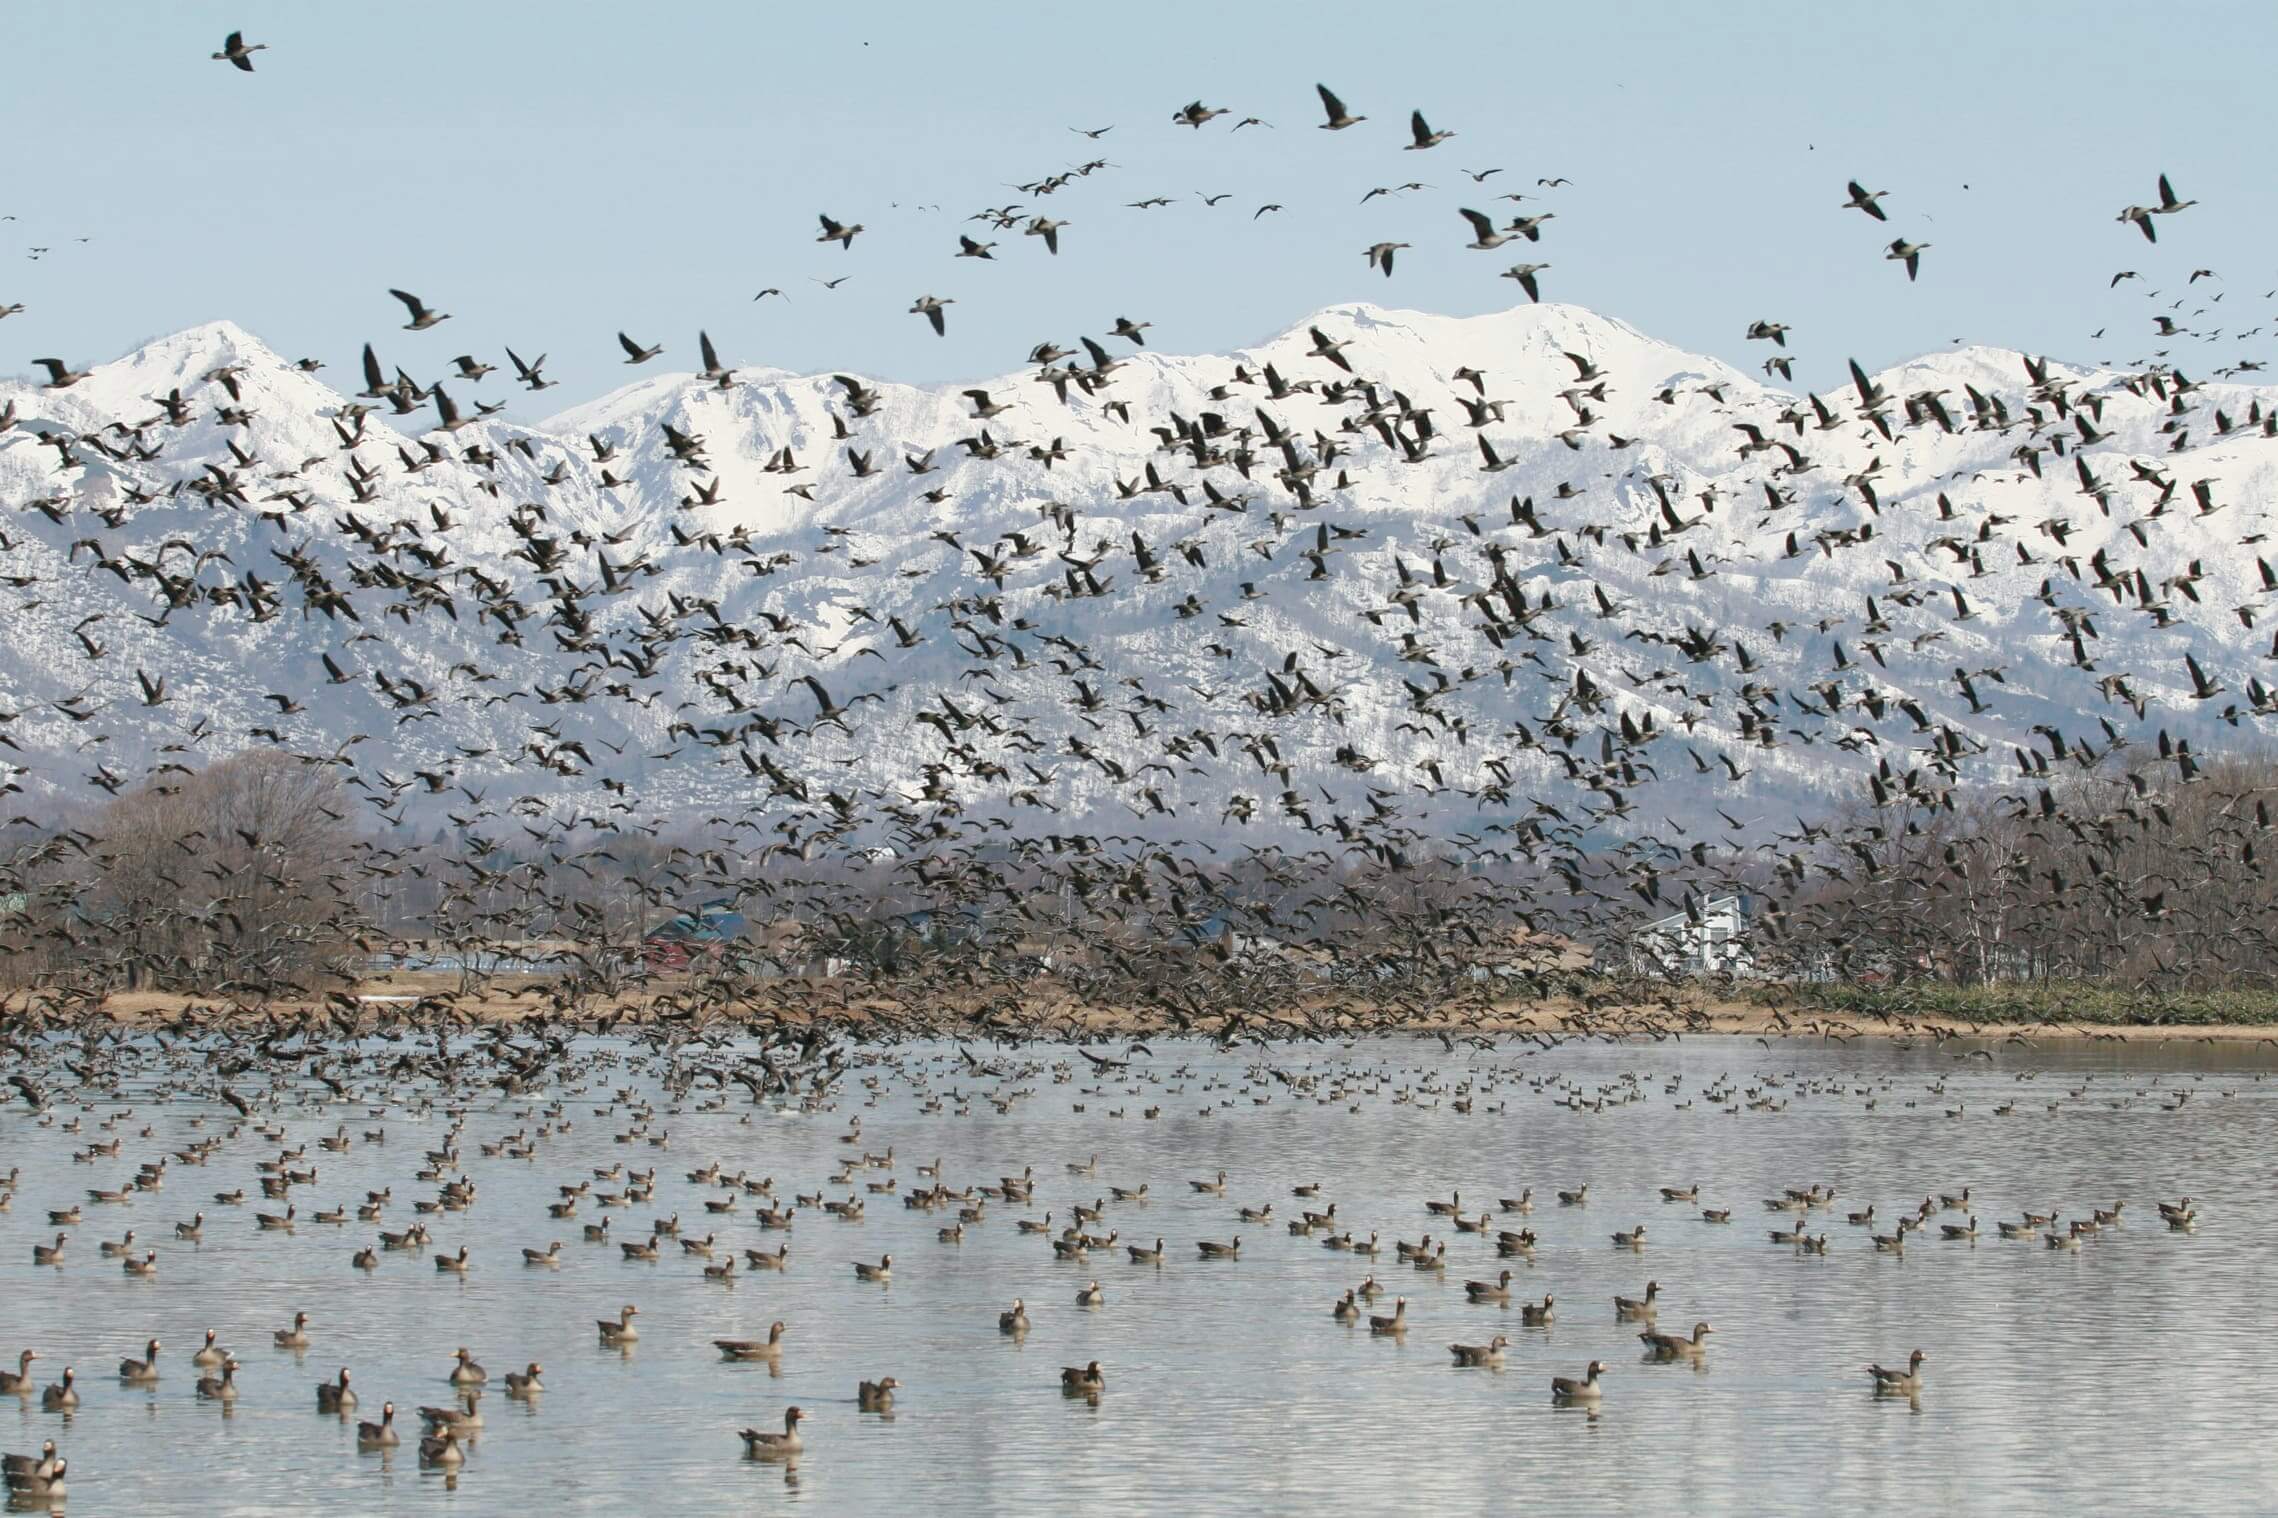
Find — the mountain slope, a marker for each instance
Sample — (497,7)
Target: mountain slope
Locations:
(1359,625)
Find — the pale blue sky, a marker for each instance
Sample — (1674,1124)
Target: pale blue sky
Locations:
(552,172)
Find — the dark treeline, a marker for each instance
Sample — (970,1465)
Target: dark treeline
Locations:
(249,882)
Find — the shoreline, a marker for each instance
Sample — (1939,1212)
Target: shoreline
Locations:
(433,1000)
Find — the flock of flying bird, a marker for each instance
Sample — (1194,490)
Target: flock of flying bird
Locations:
(1496,820)
(509,1102)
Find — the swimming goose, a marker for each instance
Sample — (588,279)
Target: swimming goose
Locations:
(1523,1202)
(1490,1353)
(551,1255)
(1396,1324)
(1716,1214)
(521,1385)
(441,1449)
(1566,1389)
(619,1330)
(1673,1346)
(192,1231)
(31,1485)
(1538,1314)
(1963,1230)
(366,1258)
(1448,1208)
(1634,1239)
(62,1396)
(1015,1320)
(144,1370)
(1633,1308)
(146,1266)
(295,1337)
(1903,1382)
(876,1396)
(18,1382)
(336,1396)
(753,1349)
(49,1254)
(1089,1380)
(466,1372)
(380,1435)
(210,1354)
(41,1464)
(760,1259)
(1495,1291)
(112,1249)
(882,1271)
(762,1445)
(1091,1296)
(1690,1193)
(1347,1309)
(466,1417)
(455,1264)
(221,1388)
(1212,1188)
(1213,1251)
(1576,1197)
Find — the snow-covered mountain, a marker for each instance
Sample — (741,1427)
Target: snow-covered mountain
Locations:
(1056,613)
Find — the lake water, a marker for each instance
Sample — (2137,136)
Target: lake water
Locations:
(2126,1376)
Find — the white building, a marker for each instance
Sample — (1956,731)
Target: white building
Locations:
(1713,943)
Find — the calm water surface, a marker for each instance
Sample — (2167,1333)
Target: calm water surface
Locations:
(2128,1376)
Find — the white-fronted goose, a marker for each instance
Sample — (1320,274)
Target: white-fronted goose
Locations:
(1497,1291)
(762,1445)
(466,1372)
(1397,1323)
(1490,1353)
(522,1385)
(144,1370)
(336,1396)
(295,1337)
(620,1329)
(1633,1308)
(1567,1389)
(18,1382)
(1086,1380)
(1676,1346)
(380,1435)
(63,1395)
(753,1349)
(1902,1382)
(882,1271)
(876,1396)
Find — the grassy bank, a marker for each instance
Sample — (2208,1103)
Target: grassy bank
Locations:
(2084,1003)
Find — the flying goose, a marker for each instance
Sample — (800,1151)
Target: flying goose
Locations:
(236,50)
(1339,118)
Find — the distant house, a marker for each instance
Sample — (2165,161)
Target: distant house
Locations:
(699,933)
(1711,941)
